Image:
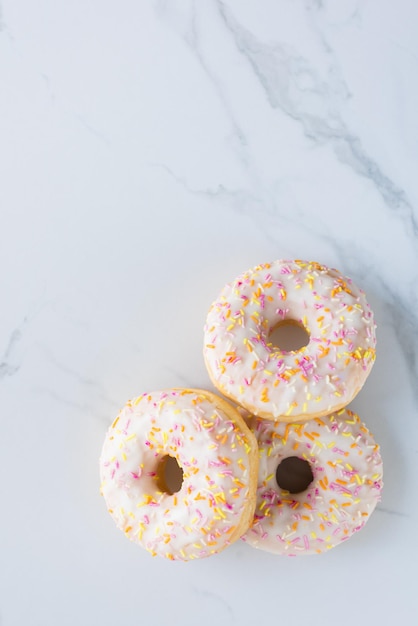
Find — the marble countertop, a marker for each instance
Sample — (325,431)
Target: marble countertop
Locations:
(149,153)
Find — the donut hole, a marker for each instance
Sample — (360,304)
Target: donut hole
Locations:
(289,336)
(169,475)
(294,474)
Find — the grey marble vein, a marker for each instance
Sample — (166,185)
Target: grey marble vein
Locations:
(10,361)
(87,408)
(97,134)
(391,512)
(80,379)
(210,595)
(190,35)
(192,39)
(280,70)
(241,200)
(4,27)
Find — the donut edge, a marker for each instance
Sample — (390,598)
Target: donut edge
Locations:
(302,417)
(232,413)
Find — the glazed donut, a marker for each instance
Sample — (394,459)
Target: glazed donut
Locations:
(340,470)
(214,502)
(322,376)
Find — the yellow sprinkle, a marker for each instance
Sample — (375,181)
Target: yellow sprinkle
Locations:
(291,407)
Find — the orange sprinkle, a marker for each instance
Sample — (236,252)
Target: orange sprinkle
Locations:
(286,433)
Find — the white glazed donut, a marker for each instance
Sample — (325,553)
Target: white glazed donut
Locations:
(346,471)
(218,455)
(321,377)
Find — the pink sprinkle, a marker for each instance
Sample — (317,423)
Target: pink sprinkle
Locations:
(216,463)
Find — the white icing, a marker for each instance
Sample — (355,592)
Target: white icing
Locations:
(200,519)
(347,481)
(319,378)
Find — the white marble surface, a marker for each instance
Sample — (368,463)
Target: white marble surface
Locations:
(149,152)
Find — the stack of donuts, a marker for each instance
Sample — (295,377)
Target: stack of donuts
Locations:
(281,464)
